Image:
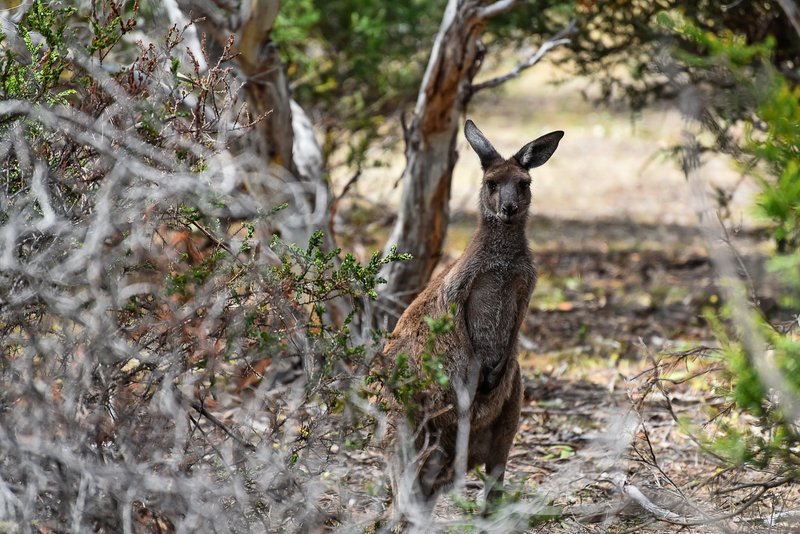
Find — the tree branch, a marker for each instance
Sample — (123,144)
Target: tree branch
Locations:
(633,492)
(790,8)
(497,8)
(554,42)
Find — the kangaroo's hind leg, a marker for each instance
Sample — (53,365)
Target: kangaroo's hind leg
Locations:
(501,436)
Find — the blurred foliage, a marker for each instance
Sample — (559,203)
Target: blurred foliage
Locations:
(351,63)
(627,49)
(759,428)
(767,103)
(727,63)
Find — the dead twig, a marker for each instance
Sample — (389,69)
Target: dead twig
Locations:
(334,206)
(769,484)
(699,351)
(199,408)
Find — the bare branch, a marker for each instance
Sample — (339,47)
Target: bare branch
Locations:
(497,8)
(668,516)
(556,41)
(334,205)
(202,410)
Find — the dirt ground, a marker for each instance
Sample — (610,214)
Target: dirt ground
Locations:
(613,297)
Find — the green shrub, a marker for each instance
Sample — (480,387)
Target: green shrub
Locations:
(758,427)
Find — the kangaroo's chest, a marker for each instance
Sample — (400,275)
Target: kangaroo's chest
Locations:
(497,298)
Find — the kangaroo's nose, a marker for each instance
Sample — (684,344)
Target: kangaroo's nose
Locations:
(510,208)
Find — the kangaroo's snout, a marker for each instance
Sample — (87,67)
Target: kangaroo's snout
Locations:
(509,208)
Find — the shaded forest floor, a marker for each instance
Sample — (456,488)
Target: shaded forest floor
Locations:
(613,298)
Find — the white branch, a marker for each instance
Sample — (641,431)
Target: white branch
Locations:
(448,18)
(790,8)
(641,499)
(554,42)
(497,8)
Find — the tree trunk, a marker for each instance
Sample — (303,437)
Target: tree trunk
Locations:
(267,95)
(267,88)
(790,8)
(430,152)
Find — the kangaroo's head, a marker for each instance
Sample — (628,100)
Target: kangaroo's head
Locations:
(506,189)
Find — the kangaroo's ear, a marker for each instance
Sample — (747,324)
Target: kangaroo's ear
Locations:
(539,151)
(480,144)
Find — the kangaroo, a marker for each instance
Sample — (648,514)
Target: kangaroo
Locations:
(487,289)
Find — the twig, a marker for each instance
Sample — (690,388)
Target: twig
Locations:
(211,443)
(213,239)
(557,40)
(335,203)
(657,383)
(707,370)
(213,419)
(695,351)
(654,463)
(726,238)
(769,484)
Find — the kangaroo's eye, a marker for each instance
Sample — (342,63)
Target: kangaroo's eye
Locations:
(524,185)
(492,185)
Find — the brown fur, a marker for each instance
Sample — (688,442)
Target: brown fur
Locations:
(489,287)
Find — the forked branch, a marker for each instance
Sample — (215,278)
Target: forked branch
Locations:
(557,40)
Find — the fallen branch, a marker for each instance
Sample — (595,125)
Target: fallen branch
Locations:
(668,516)
(662,514)
(780,517)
